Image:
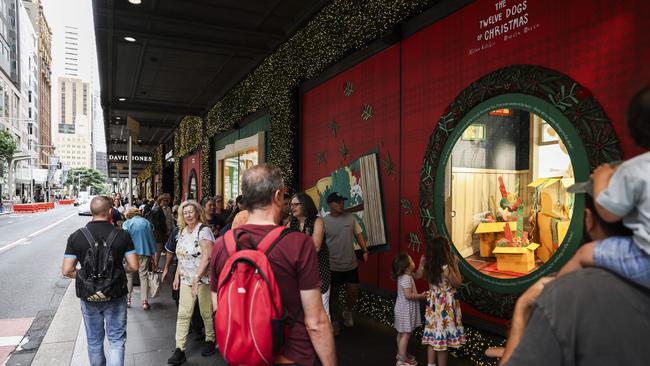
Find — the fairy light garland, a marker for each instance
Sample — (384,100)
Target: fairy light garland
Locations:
(337,30)
(380,309)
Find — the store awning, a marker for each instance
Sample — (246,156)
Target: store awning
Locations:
(164,59)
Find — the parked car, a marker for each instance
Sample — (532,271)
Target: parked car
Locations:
(84,207)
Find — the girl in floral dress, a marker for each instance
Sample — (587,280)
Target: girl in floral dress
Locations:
(442,326)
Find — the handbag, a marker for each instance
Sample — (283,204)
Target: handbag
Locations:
(155,278)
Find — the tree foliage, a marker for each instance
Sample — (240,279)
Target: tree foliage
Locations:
(86,177)
(7,145)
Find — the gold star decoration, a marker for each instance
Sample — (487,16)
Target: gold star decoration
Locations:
(349,88)
(343,150)
(334,126)
(414,242)
(320,159)
(366,113)
(406,205)
(389,165)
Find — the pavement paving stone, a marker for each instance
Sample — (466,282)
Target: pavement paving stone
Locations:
(54,354)
(151,341)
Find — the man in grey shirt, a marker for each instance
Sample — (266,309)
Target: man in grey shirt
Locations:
(341,230)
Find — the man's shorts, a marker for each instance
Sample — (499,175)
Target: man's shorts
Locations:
(341,278)
(621,255)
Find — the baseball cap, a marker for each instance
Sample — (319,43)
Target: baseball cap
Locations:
(335,197)
(588,186)
(582,187)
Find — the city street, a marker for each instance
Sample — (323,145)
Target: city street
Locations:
(31,250)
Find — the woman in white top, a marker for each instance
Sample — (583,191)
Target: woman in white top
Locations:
(193,249)
(117,204)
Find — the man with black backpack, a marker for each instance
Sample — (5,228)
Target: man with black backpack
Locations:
(265,285)
(156,217)
(100,283)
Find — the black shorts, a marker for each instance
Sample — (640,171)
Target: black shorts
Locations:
(340,278)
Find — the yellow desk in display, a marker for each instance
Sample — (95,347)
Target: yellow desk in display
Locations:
(516,259)
(489,233)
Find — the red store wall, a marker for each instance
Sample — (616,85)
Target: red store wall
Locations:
(190,162)
(602,45)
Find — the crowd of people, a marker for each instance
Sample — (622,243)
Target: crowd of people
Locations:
(312,258)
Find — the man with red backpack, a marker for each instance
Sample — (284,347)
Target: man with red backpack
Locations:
(251,266)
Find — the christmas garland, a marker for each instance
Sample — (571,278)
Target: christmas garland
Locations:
(340,28)
(157,159)
(145,174)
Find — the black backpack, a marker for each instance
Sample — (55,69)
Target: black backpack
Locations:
(100,272)
(156,217)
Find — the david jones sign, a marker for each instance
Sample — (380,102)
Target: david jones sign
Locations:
(138,158)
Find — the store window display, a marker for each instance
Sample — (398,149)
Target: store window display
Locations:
(233,169)
(193,187)
(506,206)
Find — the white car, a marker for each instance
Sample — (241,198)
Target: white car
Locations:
(84,207)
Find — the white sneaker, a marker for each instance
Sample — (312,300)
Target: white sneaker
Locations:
(347,319)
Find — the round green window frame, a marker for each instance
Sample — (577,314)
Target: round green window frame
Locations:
(569,107)
(579,161)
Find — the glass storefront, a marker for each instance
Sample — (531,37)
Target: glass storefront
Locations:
(233,169)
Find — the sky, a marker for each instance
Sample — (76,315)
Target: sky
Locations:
(76,13)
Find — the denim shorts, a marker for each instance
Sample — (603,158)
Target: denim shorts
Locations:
(621,255)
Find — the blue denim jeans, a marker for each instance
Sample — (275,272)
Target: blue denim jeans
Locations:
(621,255)
(114,314)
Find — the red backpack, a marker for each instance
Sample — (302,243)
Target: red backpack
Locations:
(250,323)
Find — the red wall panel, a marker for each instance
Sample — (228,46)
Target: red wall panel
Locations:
(602,45)
(375,82)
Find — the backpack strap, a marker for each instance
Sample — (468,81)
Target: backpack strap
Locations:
(229,242)
(265,246)
(269,241)
(111,237)
(89,236)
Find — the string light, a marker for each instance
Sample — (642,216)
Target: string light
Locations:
(380,309)
(339,28)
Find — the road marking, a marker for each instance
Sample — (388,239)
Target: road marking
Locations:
(32,235)
(10,341)
(12,336)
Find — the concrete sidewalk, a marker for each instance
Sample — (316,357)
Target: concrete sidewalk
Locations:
(150,338)
(150,335)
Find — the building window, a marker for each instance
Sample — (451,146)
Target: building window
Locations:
(85,99)
(74,102)
(62,103)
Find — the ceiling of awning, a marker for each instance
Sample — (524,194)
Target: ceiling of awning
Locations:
(187,54)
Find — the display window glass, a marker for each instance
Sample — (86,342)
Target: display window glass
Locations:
(507,208)
(234,167)
(148,188)
(499,190)
(193,187)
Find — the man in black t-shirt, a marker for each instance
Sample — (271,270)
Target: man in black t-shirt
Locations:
(113,312)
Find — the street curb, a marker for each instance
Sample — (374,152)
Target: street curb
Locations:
(58,345)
